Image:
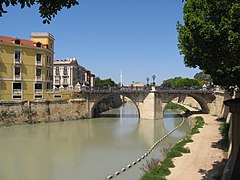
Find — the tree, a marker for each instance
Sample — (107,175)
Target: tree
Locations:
(104,83)
(179,82)
(47,9)
(201,76)
(210,39)
(186,83)
(169,83)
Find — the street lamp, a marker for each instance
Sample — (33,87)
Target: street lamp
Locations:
(153,77)
(147,80)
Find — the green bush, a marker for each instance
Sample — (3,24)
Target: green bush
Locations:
(174,106)
(224,129)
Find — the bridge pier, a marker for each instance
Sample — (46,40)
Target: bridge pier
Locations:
(151,107)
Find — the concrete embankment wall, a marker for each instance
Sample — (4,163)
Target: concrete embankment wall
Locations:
(31,112)
(41,111)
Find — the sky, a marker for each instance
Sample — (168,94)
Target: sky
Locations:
(105,36)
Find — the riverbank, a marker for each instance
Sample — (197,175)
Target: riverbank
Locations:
(206,157)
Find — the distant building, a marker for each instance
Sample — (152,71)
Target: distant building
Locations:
(67,73)
(26,66)
(138,84)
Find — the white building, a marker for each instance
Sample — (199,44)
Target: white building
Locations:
(67,73)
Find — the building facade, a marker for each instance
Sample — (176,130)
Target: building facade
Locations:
(26,66)
(67,73)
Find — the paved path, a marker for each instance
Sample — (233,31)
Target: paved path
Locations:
(205,158)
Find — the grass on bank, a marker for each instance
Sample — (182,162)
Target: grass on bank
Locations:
(174,106)
(162,170)
(224,130)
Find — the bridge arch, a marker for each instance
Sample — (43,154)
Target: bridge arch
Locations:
(98,100)
(200,99)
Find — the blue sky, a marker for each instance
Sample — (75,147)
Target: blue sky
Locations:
(137,36)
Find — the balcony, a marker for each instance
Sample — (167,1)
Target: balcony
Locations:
(50,78)
(17,77)
(38,90)
(17,91)
(65,83)
(38,63)
(57,82)
(17,61)
(38,78)
(49,64)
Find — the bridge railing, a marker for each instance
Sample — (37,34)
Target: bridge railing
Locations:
(126,90)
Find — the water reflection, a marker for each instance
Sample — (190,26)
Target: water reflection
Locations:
(86,149)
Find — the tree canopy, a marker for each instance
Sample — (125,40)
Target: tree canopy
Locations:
(201,76)
(104,83)
(210,38)
(48,9)
(179,82)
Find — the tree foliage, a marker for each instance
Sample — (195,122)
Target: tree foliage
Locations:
(201,76)
(210,38)
(48,9)
(179,82)
(105,83)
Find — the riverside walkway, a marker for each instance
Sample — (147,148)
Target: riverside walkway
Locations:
(205,158)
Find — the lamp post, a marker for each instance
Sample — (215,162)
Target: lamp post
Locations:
(154,77)
(147,80)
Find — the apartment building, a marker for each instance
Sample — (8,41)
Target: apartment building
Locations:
(26,66)
(67,73)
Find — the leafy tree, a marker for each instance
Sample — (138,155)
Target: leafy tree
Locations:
(186,83)
(169,83)
(104,83)
(48,9)
(210,38)
(179,82)
(201,76)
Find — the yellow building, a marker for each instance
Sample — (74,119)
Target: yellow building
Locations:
(26,67)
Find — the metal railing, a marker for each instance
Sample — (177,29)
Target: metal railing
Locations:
(126,90)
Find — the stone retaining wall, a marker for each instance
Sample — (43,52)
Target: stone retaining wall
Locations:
(41,111)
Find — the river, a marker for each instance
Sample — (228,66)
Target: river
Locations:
(89,149)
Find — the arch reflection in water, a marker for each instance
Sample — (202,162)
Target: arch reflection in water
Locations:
(72,150)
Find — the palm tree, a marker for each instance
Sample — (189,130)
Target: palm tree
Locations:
(153,77)
(148,80)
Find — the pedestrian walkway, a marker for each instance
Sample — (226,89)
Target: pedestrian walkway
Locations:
(205,157)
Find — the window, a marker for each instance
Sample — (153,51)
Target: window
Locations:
(38,96)
(65,70)
(17,90)
(51,45)
(38,73)
(17,56)
(49,86)
(57,71)
(49,60)
(17,41)
(17,96)
(39,44)
(57,96)
(48,73)
(17,72)
(17,86)
(38,86)
(39,58)
(65,81)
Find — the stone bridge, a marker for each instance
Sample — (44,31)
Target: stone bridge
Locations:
(151,103)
